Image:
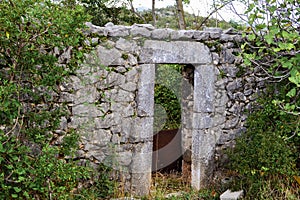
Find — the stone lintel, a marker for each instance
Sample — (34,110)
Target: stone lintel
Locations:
(178,52)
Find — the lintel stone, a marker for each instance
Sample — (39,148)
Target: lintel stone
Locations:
(179,52)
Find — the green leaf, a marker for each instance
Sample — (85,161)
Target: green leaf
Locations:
(269,38)
(10,167)
(291,93)
(252,37)
(2,150)
(17,189)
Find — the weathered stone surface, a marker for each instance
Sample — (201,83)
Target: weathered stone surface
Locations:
(213,29)
(139,30)
(203,146)
(229,70)
(122,96)
(87,110)
(78,122)
(236,84)
(107,121)
(88,94)
(124,158)
(132,75)
(204,79)
(226,37)
(201,35)
(126,45)
(130,87)
(228,195)
(182,34)
(215,35)
(117,31)
(202,121)
(111,105)
(215,58)
(232,123)
(174,52)
(145,96)
(143,129)
(222,100)
(161,33)
(98,137)
(114,79)
(141,169)
(108,57)
(125,109)
(227,56)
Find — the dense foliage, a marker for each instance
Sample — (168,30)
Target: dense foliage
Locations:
(167,94)
(33,35)
(273,46)
(104,11)
(267,156)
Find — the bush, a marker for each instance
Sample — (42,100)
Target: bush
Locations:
(33,164)
(265,157)
(167,93)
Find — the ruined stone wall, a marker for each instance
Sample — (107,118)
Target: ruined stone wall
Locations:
(111,98)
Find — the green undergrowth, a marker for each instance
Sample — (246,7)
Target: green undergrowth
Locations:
(266,158)
(38,158)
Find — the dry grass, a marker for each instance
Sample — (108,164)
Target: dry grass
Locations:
(167,183)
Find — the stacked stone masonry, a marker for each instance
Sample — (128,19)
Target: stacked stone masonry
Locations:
(111,98)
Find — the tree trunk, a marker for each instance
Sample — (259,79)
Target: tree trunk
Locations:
(181,20)
(153,13)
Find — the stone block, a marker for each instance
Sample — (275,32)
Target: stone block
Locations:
(124,158)
(201,35)
(138,30)
(203,144)
(88,94)
(126,45)
(87,110)
(204,79)
(130,87)
(143,129)
(98,137)
(202,120)
(201,174)
(227,56)
(228,195)
(161,33)
(107,57)
(117,31)
(174,52)
(114,79)
(141,168)
(182,34)
(145,95)
(132,75)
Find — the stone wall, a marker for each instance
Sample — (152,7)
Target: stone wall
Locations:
(111,98)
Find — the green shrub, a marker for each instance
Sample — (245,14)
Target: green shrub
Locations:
(33,164)
(167,93)
(265,156)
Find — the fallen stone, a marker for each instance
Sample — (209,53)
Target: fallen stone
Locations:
(228,195)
